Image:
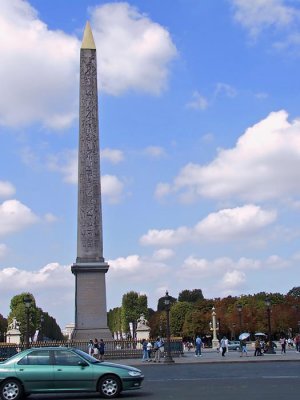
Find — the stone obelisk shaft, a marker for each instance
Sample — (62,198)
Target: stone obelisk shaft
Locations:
(90,267)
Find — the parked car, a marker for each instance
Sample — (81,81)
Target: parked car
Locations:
(234,345)
(62,369)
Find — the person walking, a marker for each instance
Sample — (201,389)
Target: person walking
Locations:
(157,345)
(149,350)
(145,351)
(297,343)
(90,347)
(282,342)
(223,345)
(96,348)
(257,345)
(244,348)
(198,344)
(101,349)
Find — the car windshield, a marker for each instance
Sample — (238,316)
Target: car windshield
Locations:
(86,356)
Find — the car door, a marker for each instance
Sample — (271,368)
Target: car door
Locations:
(70,373)
(35,370)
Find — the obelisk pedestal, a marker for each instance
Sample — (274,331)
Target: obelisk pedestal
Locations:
(90,267)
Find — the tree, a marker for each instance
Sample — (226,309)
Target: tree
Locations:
(3,327)
(18,310)
(295,292)
(191,296)
(178,313)
(133,305)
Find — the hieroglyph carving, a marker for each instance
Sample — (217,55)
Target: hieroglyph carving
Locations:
(90,241)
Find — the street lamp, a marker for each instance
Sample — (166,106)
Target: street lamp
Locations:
(167,302)
(270,349)
(27,301)
(214,326)
(240,308)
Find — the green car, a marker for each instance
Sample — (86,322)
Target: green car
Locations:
(63,369)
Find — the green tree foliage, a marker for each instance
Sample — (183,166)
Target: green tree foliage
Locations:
(50,328)
(133,305)
(3,327)
(295,292)
(178,313)
(191,296)
(114,319)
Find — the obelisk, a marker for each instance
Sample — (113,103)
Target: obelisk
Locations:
(90,267)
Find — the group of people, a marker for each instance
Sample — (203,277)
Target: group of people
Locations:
(96,348)
(152,352)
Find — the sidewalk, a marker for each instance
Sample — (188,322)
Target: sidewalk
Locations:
(212,356)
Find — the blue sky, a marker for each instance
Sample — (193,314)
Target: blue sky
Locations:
(200,147)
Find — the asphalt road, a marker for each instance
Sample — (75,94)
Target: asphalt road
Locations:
(234,381)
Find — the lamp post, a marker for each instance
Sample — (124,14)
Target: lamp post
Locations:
(27,301)
(270,349)
(214,327)
(240,308)
(233,330)
(167,302)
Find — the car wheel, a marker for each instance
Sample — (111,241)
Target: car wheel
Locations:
(11,390)
(109,386)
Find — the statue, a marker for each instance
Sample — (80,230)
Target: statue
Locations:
(142,322)
(142,329)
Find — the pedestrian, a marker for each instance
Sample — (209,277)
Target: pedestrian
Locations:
(157,346)
(282,342)
(198,344)
(244,348)
(257,346)
(96,348)
(223,345)
(297,343)
(101,349)
(145,351)
(90,347)
(149,349)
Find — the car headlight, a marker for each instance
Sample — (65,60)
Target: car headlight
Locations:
(134,373)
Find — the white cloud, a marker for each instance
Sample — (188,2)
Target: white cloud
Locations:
(7,189)
(233,223)
(112,188)
(49,217)
(163,254)
(113,155)
(224,225)
(137,268)
(264,164)
(259,15)
(66,163)
(53,281)
(223,89)
(162,190)
(233,280)
(198,102)
(15,216)
(43,86)
(135,51)
(155,151)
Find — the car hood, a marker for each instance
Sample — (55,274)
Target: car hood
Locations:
(113,365)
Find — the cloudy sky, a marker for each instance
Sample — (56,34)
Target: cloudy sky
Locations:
(200,146)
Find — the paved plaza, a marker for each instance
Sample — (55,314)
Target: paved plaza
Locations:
(212,356)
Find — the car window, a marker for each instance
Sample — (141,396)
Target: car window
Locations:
(36,357)
(64,357)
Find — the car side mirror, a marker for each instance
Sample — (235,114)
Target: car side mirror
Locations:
(83,364)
